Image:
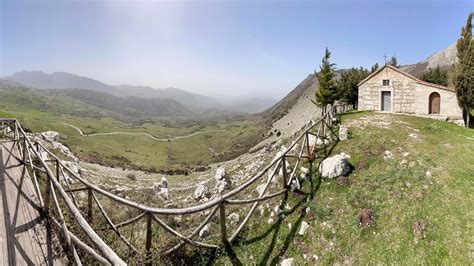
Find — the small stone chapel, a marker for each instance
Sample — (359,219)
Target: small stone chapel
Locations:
(390,89)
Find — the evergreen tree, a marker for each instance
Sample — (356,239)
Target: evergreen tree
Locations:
(327,88)
(464,70)
(374,68)
(347,85)
(393,61)
(436,76)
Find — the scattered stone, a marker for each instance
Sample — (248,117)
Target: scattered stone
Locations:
(428,173)
(405,154)
(388,155)
(261,210)
(304,172)
(343,133)
(278,210)
(334,166)
(223,181)
(233,218)
(342,180)
(163,193)
(51,136)
(289,226)
(205,231)
(295,185)
(270,221)
(201,191)
(164,182)
(316,257)
(287,262)
(366,218)
(303,228)
(260,189)
(419,227)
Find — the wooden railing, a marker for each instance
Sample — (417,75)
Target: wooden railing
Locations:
(287,162)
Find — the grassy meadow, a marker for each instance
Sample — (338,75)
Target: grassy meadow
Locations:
(427,179)
(221,139)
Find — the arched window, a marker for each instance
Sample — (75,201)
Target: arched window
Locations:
(434,103)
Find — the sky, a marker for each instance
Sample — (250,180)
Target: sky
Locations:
(233,48)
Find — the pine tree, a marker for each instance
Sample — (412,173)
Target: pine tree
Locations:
(436,76)
(374,68)
(327,88)
(393,61)
(464,70)
(347,85)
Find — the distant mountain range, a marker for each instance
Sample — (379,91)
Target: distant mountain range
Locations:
(194,102)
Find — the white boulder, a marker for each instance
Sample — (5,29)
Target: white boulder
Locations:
(334,166)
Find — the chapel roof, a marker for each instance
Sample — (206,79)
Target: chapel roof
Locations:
(419,81)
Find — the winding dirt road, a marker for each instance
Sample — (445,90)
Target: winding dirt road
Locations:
(140,133)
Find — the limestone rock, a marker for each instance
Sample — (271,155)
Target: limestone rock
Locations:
(205,231)
(233,218)
(388,155)
(303,228)
(335,166)
(304,172)
(287,262)
(164,182)
(343,133)
(201,191)
(164,194)
(223,181)
(260,189)
(51,136)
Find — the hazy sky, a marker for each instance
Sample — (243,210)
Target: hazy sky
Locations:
(219,47)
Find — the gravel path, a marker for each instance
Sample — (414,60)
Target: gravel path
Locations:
(140,133)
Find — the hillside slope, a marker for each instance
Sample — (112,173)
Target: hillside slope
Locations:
(414,174)
(445,59)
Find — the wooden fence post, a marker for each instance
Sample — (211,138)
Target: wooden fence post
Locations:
(58,169)
(47,196)
(16,136)
(283,169)
(25,151)
(222,222)
(149,233)
(308,148)
(90,211)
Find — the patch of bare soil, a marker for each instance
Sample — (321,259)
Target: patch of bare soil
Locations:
(419,229)
(342,180)
(366,218)
(379,120)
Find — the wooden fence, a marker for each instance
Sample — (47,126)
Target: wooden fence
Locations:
(56,186)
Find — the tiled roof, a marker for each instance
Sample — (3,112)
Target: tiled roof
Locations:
(407,75)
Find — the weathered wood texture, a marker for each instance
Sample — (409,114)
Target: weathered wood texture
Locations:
(23,235)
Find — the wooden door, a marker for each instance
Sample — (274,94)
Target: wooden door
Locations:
(435,102)
(386,101)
